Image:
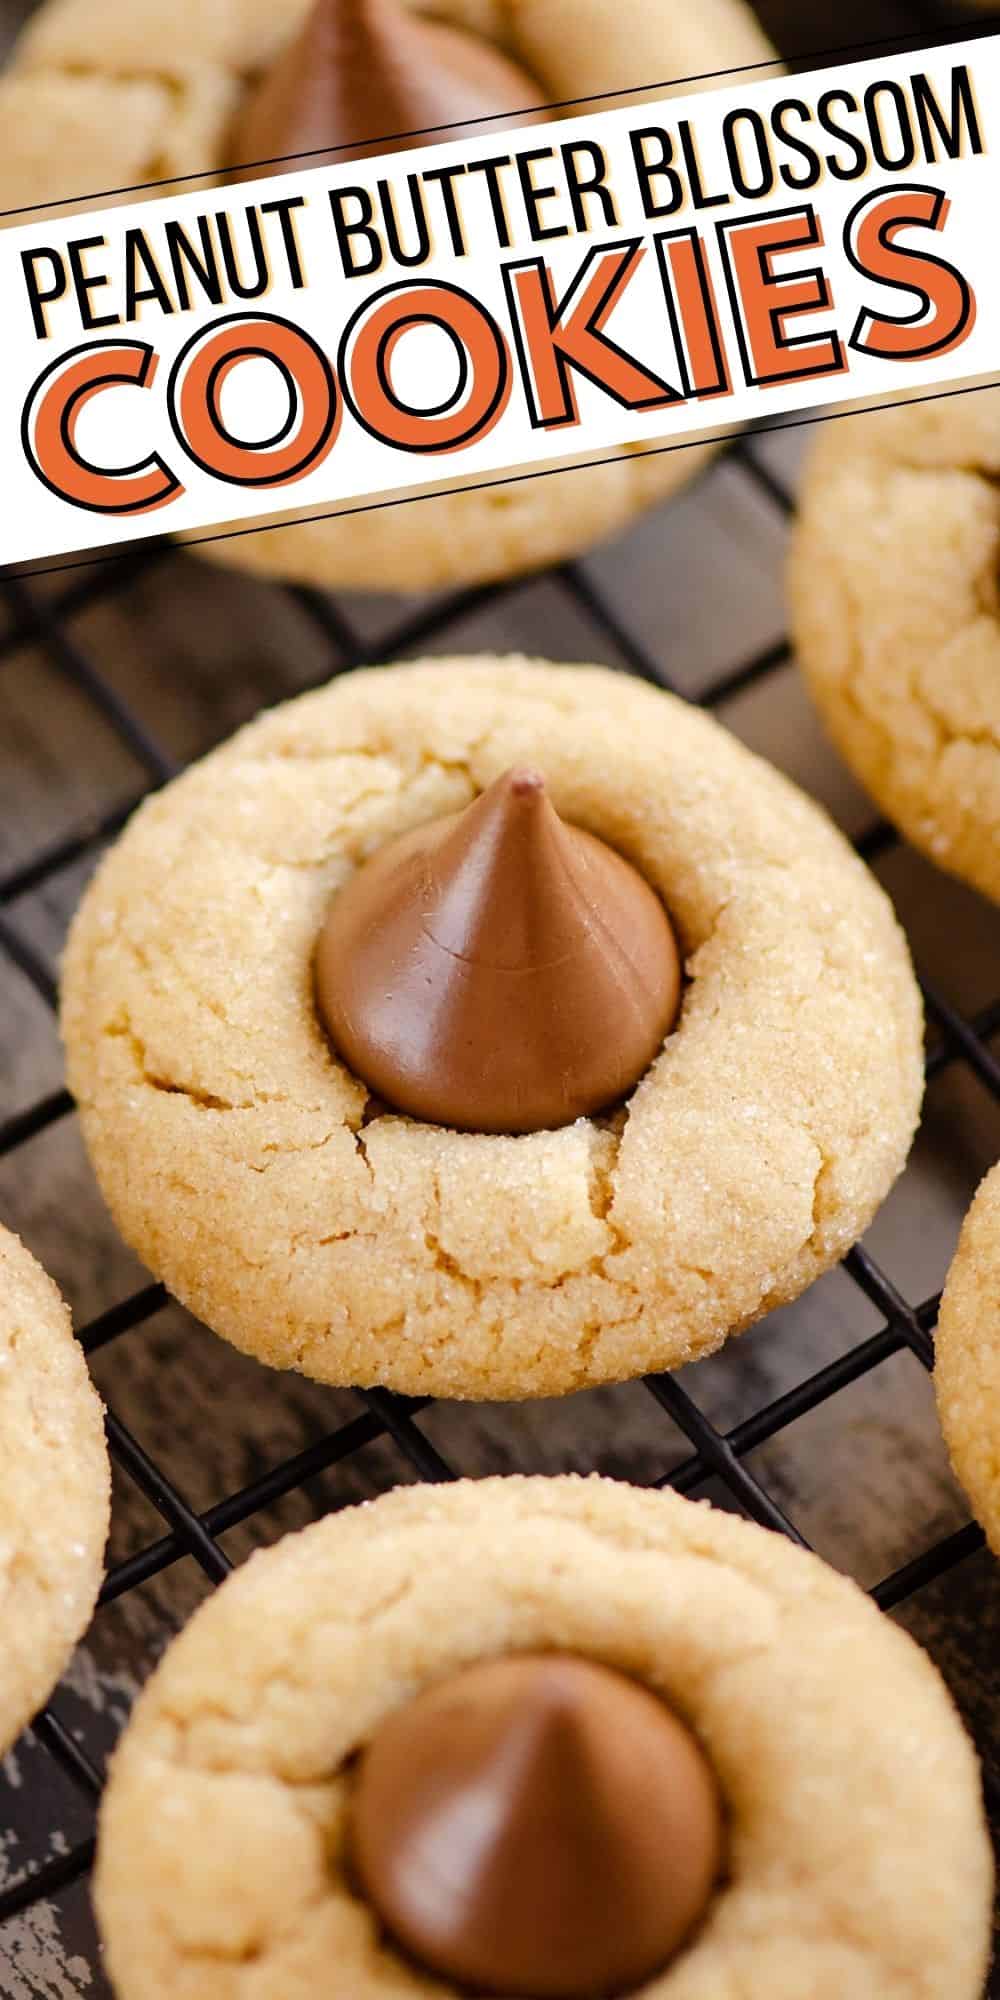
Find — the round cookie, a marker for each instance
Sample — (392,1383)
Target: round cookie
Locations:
(857,1870)
(102,96)
(967,1358)
(305,1224)
(895,599)
(55,1488)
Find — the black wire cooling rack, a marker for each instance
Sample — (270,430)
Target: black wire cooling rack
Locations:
(41,617)
(46,620)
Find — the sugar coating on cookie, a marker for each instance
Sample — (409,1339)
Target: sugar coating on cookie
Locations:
(967,1358)
(101,95)
(859,1866)
(249,1168)
(895,598)
(55,1488)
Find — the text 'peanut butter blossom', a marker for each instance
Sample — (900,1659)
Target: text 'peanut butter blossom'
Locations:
(538,1826)
(498,970)
(362,74)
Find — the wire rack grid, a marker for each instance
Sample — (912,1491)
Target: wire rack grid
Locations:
(906,1325)
(48,618)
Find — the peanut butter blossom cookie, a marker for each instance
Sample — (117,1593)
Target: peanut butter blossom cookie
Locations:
(386,1059)
(967,1365)
(55,1489)
(896,612)
(102,95)
(550,1739)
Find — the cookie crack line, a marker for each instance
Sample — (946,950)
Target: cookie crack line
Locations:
(200,1098)
(443,1263)
(361,1148)
(601,1190)
(439,1239)
(205,1101)
(124,1031)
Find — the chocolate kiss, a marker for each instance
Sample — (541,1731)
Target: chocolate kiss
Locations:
(498,971)
(538,1826)
(362,72)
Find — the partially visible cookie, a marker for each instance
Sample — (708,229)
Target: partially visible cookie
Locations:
(967,1364)
(857,1864)
(895,599)
(55,1488)
(101,95)
(291,1210)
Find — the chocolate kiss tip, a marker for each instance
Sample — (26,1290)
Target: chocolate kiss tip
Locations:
(498,971)
(538,1826)
(362,70)
(526,783)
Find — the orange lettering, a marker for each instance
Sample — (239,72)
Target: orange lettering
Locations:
(49,423)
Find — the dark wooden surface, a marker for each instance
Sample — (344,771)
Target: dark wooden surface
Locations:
(195,651)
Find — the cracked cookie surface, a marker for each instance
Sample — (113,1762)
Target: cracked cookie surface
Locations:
(967,1358)
(103,96)
(305,1224)
(55,1488)
(895,594)
(857,1869)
